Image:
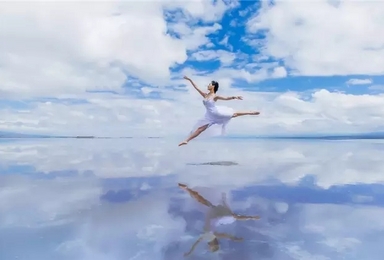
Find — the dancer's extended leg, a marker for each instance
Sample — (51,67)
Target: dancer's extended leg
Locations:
(250,113)
(196,195)
(195,134)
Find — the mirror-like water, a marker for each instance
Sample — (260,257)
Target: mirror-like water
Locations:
(121,199)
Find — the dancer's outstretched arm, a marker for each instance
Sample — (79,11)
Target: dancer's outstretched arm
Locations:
(225,235)
(194,85)
(193,246)
(228,98)
(239,217)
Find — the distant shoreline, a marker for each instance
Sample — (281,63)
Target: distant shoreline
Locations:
(65,137)
(322,137)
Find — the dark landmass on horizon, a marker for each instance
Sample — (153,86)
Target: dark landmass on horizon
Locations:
(10,135)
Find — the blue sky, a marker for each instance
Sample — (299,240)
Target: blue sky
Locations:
(118,67)
(232,37)
(235,34)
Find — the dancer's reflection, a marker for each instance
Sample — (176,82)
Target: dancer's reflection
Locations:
(217,215)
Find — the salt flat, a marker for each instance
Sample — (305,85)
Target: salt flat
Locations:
(119,198)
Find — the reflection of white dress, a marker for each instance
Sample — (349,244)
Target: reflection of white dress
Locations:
(216,117)
(217,216)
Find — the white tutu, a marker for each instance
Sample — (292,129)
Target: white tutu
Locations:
(216,117)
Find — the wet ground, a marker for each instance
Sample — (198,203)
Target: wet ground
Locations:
(119,199)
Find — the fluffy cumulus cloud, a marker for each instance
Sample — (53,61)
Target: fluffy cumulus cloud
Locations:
(64,52)
(68,47)
(113,115)
(324,37)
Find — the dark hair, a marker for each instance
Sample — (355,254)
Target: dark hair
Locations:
(215,85)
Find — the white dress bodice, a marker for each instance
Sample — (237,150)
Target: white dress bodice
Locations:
(216,118)
(210,105)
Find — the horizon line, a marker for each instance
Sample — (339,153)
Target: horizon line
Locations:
(374,135)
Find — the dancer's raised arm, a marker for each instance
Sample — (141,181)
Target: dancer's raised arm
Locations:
(194,85)
(228,98)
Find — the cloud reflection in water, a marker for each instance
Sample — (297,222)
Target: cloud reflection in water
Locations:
(114,199)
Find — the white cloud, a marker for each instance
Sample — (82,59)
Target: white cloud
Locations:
(279,72)
(54,48)
(194,37)
(323,39)
(331,163)
(325,220)
(225,57)
(207,11)
(46,207)
(320,111)
(73,48)
(224,41)
(65,203)
(376,88)
(359,82)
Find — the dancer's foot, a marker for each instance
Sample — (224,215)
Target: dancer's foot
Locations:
(183,186)
(183,143)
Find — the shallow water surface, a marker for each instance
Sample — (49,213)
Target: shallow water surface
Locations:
(119,199)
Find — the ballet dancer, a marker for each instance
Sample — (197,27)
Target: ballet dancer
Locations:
(214,115)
